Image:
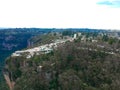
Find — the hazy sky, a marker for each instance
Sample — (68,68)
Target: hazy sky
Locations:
(60,13)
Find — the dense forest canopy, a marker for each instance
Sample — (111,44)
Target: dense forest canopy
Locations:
(12,39)
(90,62)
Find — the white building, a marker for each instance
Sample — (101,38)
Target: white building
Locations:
(75,36)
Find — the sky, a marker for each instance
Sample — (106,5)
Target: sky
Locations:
(98,14)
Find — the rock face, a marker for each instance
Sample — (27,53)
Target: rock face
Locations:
(8,81)
(10,41)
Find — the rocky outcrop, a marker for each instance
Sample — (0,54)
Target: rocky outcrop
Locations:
(8,80)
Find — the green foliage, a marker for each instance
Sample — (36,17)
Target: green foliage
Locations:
(3,84)
(78,40)
(68,68)
(105,38)
(67,33)
(43,39)
(13,39)
(112,40)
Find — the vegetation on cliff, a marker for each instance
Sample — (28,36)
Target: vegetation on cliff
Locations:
(13,39)
(75,65)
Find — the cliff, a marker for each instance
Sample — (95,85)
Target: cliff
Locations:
(76,65)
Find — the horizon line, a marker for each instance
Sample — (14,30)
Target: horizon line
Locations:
(55,28)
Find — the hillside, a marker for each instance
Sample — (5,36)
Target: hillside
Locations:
(82,64)
(12,39)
